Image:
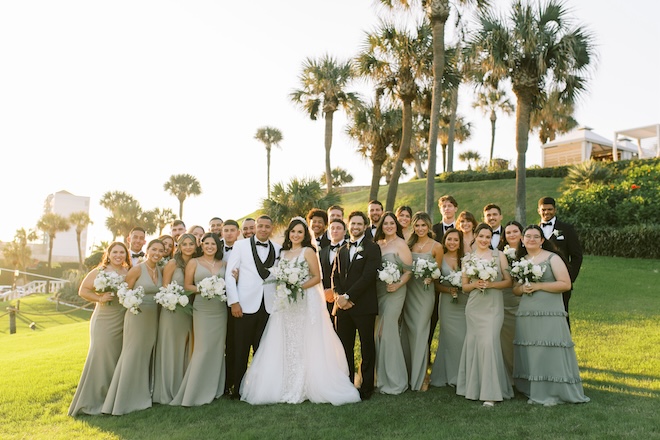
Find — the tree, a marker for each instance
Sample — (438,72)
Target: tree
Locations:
(553,117)
(80,220)
(339,177)
(490,101)
(182,186)
(162,218)
(124,210)
(50,224)
(296,199)
(538,49)
(468,156)
(399,62)
(270,137)
(324,82)
(17,252)
(462,131)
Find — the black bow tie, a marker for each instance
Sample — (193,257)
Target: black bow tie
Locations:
(354,243)
(258,243)
(496,232)
(138,255)
(228,248)
(333,247)
(448,226)
(546,224)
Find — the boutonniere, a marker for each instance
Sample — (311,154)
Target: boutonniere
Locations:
(359,249)
(556,232)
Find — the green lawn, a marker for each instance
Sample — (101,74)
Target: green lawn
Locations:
(616,327)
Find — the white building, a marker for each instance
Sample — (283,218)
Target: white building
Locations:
(65,247)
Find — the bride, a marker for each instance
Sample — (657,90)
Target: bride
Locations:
(300,356)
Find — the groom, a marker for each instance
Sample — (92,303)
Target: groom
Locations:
(354,284)
(250,299)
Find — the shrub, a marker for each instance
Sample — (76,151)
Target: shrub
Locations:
(69,293)
(630,241)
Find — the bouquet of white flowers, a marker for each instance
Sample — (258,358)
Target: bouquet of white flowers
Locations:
(390,273)
(290,275)
(455,280)
(108,282)
(172,296)
(525,272)
(211,287)
(477,268)
(510,254)
(131,298)
(423,268)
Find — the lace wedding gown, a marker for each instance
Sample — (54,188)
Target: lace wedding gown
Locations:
(300,357)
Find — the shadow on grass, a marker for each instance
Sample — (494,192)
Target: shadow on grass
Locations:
(620,384)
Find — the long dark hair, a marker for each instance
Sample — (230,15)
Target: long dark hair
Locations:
(478,229)
(460,252)
(546,244)
(307,239)
(503,241)
(178,256)
(379,235)
(220,249)
(105,260)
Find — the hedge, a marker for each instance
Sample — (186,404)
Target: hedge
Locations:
(634,241)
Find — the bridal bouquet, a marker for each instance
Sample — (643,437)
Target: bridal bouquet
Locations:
(525,272)
(131,298)
(477,268)
(108,282)
(510,254)
(423,268)
(172,296)
(390,273)
(211,287)
(290,275)
(455,280)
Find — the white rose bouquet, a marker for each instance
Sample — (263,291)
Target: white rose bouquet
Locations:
(510,254)
(525,272)
(423,268)
(290,275)
(108,282)
(211,287)
(172,296)
(390,273)
(131,298)
(478,269)
(455,280)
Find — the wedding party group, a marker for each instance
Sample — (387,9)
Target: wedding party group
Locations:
(233,312)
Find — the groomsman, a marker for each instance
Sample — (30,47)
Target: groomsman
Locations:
(229,237)
(251,296)
(215,226)
(354,284)
(564,237)
(177,228)
(317,219)
(337,231)
(493,216)
(448,207)
(375,210)
(249,227)
(335,212)
(136,240)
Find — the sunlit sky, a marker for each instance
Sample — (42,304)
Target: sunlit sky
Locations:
(100,96)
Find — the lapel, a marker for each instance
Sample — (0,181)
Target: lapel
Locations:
(262,267)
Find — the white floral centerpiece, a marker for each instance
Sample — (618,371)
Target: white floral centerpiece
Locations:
(423,268)
(525,271)
(479,269)
(131,298)
(455,280)
(212,287)
(172,296)
(390,273)
(290,275)
(108,282)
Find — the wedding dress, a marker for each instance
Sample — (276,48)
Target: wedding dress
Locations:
(300,357)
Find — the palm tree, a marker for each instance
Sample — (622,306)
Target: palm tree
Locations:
(468,156)
(270,137)
(324,82)
(339,177)
(462,130)
(296,199)
(490,100)
(582,175)
(182,186)
(538,49)
(123,218)
(162,218)
(553,117)
(80,220)
(51,223)
(399,62)
(17,251)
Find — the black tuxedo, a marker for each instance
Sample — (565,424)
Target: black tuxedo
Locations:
(439,231)
(357,278)
(567,243)
(326,270)
(368,232)
(324,241)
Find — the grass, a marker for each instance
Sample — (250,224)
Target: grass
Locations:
(616,328)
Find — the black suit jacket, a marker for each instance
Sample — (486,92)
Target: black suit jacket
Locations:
(326,266)
(566,240)
(325,241)
(358,277)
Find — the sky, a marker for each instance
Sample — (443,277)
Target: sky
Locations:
(119,95)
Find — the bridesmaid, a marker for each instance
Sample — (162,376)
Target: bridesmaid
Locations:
(512,236)
(204,380)
(546,368)
(419,303)
(174,345)
(481,373)
(452,314)
(404,215)
(168,242)
(105,334)
(198,232)
(391,373)
(466,223)
(130,389)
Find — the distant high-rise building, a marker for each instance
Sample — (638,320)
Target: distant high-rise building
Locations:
(65,247)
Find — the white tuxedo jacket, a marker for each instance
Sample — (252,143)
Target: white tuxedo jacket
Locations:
(250,288)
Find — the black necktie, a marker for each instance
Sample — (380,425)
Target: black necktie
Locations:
(228,248)
(138,255)
(258,243)
(543,225)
